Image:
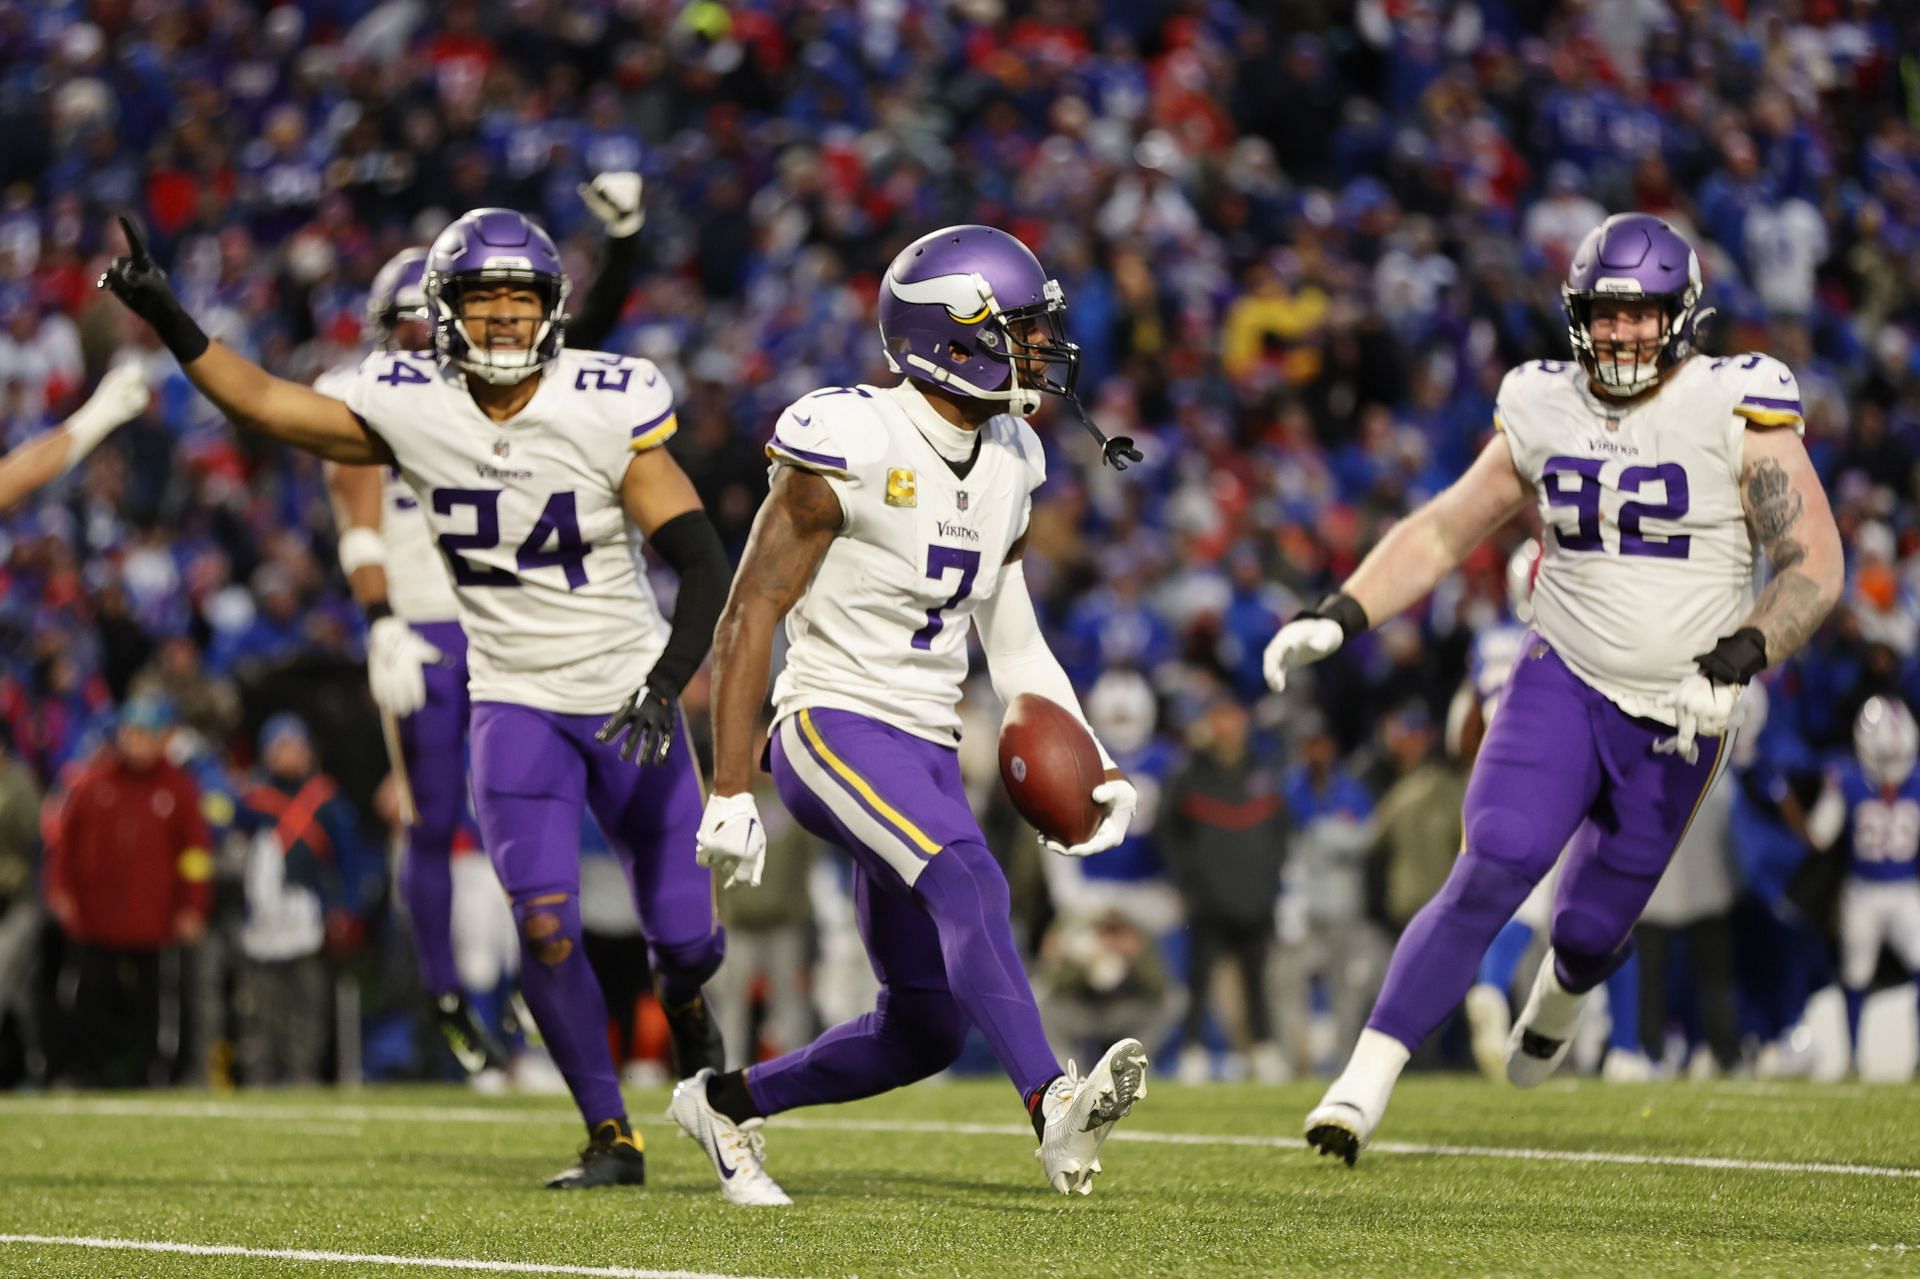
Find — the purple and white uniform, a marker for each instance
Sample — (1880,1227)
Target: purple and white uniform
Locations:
(866,724)
(561,626)
(1648,562)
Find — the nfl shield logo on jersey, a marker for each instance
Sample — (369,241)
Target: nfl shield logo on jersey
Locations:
(960,500)
(501,448)
(903,488)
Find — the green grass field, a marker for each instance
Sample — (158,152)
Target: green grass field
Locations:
(940,1180)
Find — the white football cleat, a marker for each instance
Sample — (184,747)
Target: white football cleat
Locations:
(1080,1111)
(1340,1127)
(1543,1034)
(737,1150)
(1343,1123)
(1489,1018)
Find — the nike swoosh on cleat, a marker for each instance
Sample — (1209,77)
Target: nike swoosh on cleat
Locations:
(1534,1044)
(1785,378)
(719,1161)
(804,421)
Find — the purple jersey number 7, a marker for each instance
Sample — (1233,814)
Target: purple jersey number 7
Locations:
(942,560)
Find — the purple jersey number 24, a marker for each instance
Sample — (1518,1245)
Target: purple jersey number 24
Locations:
(942,560)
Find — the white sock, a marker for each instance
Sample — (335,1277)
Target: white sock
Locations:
(1371,1073)
(1552,1010)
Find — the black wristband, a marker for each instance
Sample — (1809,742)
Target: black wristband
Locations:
(1737,658)
(1342,608)
(177,330)
(377,610)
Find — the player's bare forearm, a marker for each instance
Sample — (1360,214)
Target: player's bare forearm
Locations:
(1428,544)
(1790,519)
(790,537)
(255,400)
(355,494)
(33,465)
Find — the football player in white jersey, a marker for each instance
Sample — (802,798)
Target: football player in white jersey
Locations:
(895,526)
(1873,803)
(534,464)
(416,651)
(1658,473)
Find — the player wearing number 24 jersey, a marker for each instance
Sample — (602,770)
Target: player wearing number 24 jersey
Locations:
(1657,472)
(534,465)
(895,526)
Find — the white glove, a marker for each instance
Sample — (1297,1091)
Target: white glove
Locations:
(121,396)
(1306,640)
(614,198)
(1119,799)
(733,839)
(1701,708)
(396,666)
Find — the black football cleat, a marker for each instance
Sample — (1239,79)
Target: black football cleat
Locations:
(472,1044)
(612,1157)
(696,1038)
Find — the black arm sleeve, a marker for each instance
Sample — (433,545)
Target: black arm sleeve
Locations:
(599,311)
(691,547)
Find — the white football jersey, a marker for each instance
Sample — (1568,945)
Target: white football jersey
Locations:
(526,515)
(418,588)
(882,629)
(1648,559)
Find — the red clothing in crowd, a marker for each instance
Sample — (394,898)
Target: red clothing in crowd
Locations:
(130,853)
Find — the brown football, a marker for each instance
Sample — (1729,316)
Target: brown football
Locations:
(1050,766)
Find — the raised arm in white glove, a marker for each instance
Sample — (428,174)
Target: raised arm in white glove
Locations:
(1313,633)
(732,840)
(614,198)
(397,658)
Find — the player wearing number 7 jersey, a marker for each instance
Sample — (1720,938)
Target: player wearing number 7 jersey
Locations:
(534,463)
(1657,472)
(895,526)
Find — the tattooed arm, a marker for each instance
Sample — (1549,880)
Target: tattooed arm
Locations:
(790,537)
(1790,520)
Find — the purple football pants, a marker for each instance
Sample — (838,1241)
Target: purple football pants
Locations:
(1560,763)
(532,771)
(932,906)
(433,742)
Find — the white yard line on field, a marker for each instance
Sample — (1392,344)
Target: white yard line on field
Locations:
(134,1108)
(357,1258)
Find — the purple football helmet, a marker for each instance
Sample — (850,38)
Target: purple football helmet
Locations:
(398,294)
(1633,255)
(492,247)
(949,307)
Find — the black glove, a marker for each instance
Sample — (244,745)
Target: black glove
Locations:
(1737,658)
(139,283)
(649,720)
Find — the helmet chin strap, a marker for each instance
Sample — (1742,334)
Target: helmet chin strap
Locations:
(1022,401)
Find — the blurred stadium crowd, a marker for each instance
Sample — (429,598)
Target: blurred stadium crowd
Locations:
(1301,243)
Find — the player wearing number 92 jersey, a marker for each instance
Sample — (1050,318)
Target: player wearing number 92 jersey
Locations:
(534,466)
(1658,473)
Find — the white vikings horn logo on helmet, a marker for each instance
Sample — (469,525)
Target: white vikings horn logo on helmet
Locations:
(964,296)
